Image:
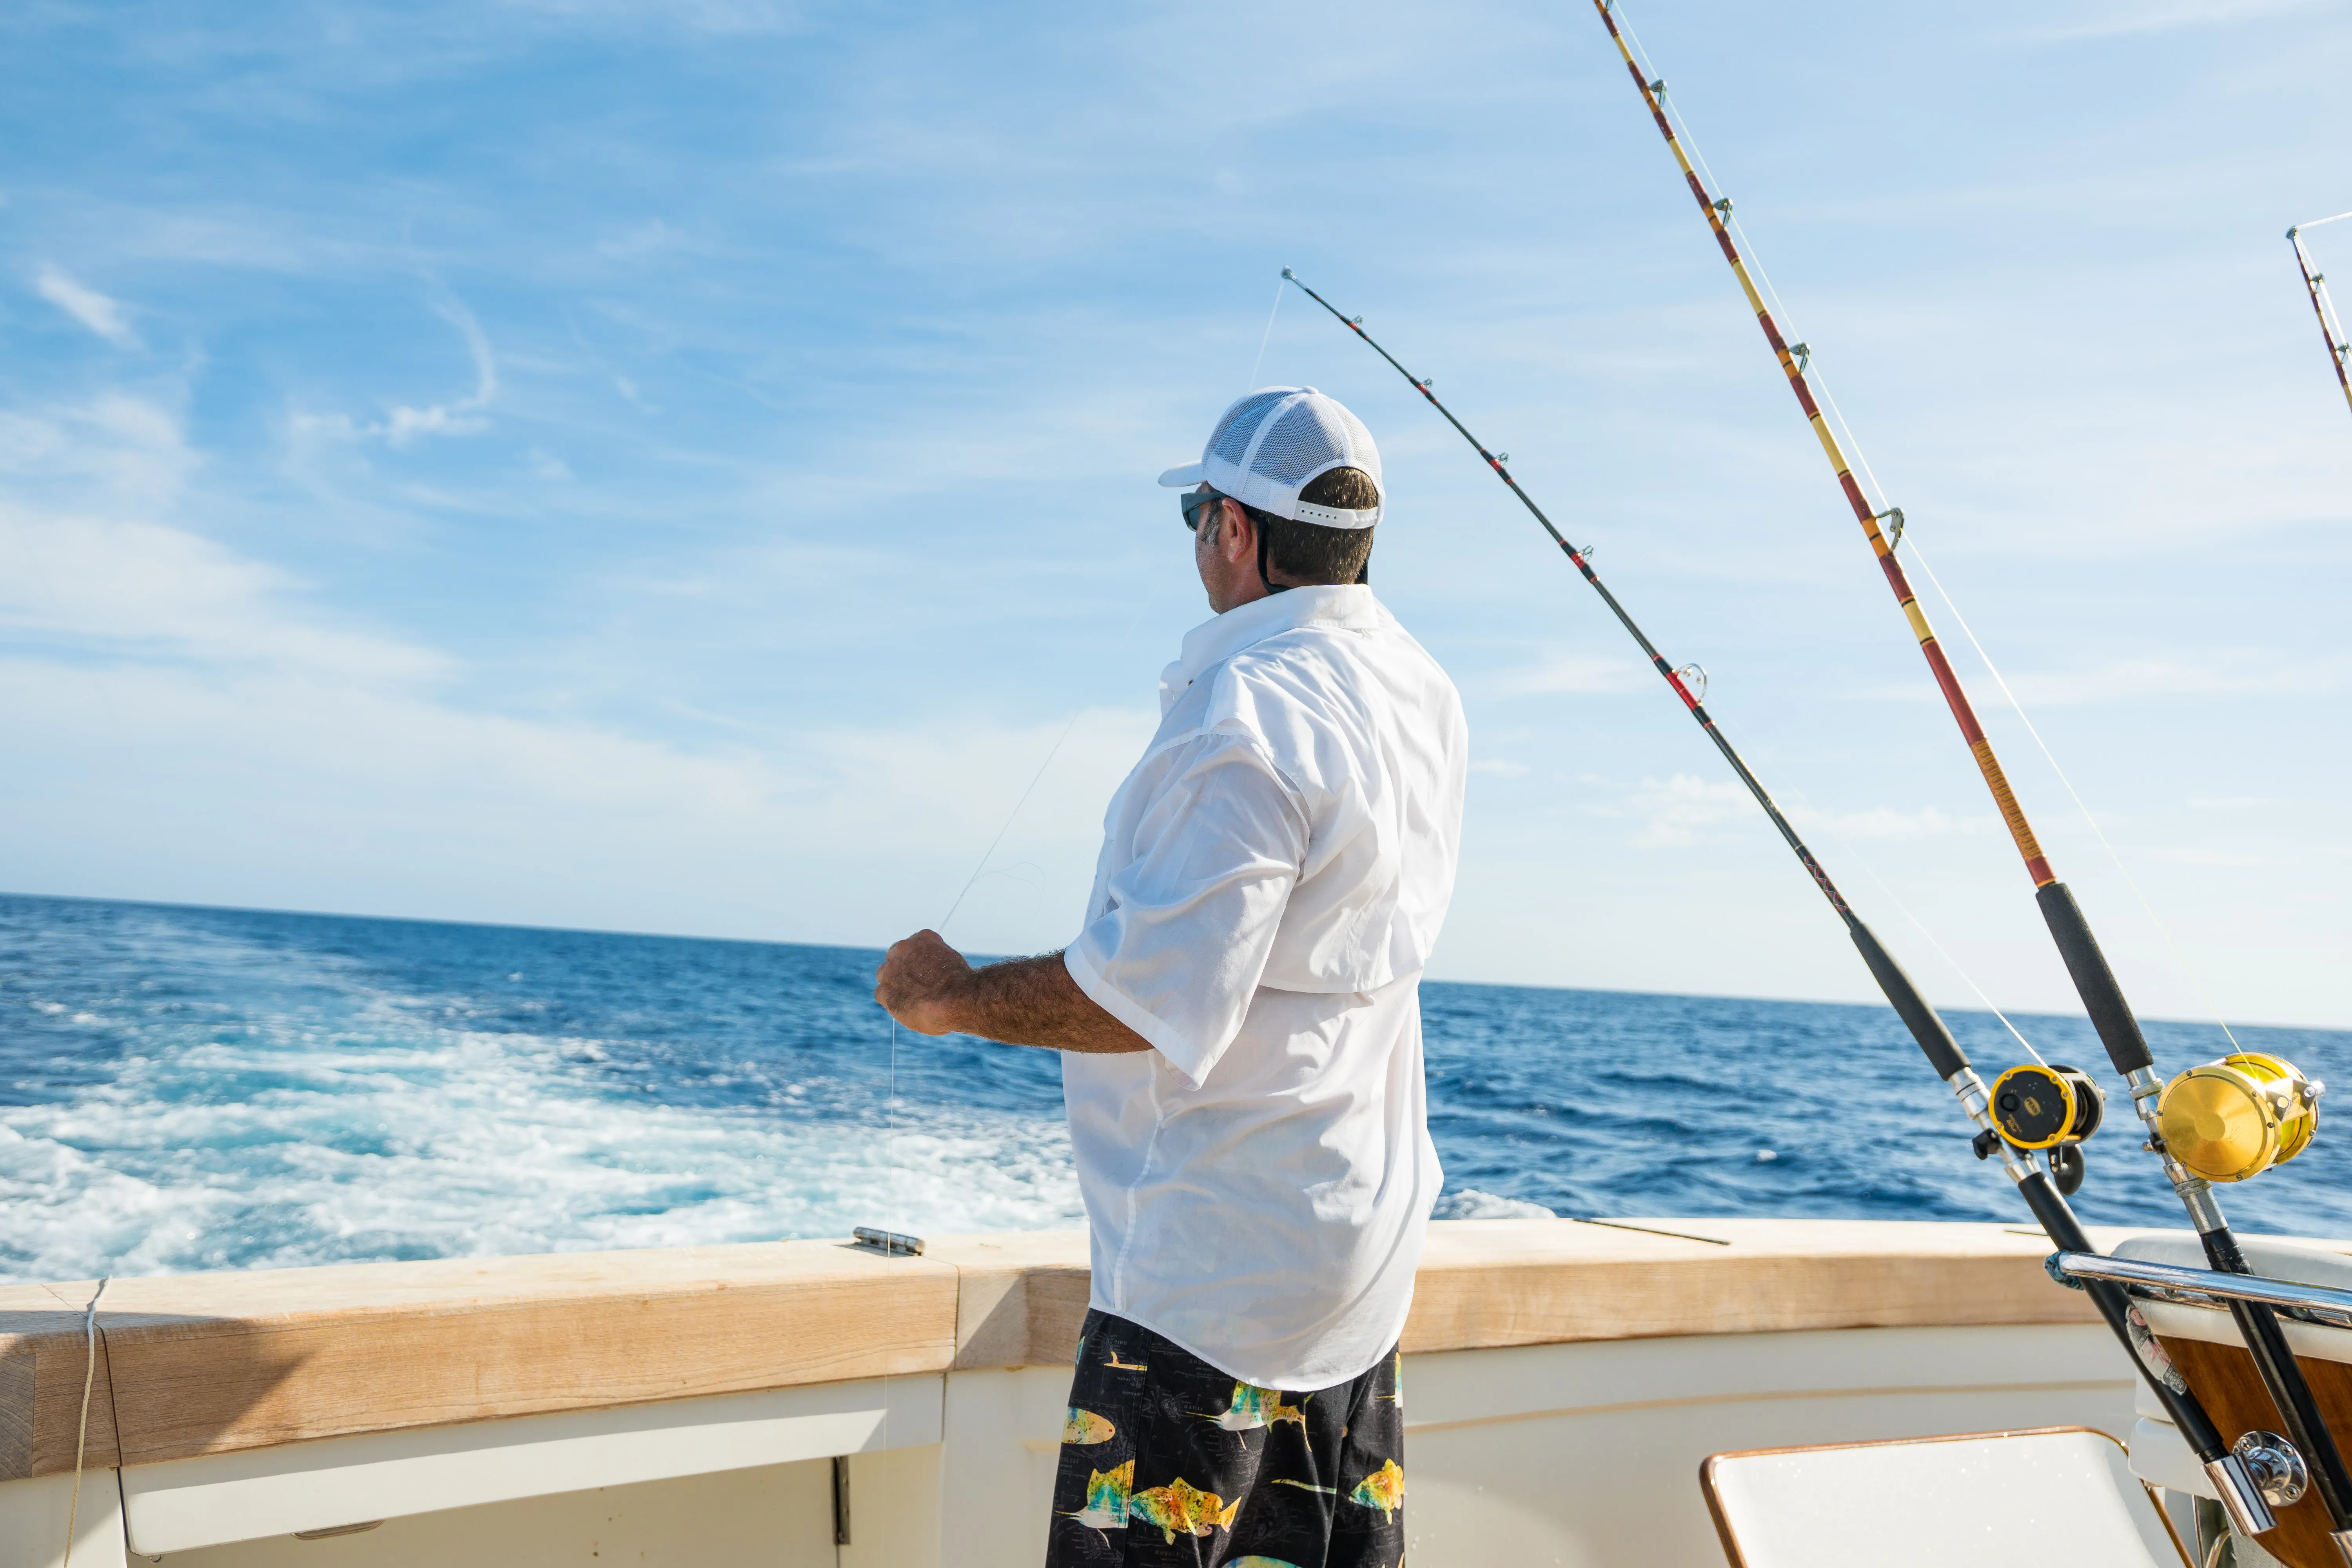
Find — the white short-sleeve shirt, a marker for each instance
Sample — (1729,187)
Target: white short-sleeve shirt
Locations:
(1273,877)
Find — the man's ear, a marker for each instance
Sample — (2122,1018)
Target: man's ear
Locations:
(1231,540)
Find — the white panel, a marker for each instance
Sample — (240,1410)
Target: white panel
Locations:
(1587,1455)
(345,1481)
(1617,1487)
(775,1517)
(33,1515)
(1492,1384)
(894,1513)
(2161,1458)
(2065,1498)
(1003,1440)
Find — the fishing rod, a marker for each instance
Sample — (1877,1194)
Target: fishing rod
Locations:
(2279,1093)
(2339,348)
(2014,1137)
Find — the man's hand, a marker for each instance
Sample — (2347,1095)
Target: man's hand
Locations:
(923,980)
(928,986)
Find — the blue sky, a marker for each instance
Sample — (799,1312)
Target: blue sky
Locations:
(681,468)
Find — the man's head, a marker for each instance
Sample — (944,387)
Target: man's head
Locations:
(1286,495)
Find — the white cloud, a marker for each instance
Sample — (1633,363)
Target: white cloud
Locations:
(86,305)
(2218,674)
(462,417)
(212,731)
(1563,675)
(404,423)
(2138,16)
(147,591)
(1883,822)
(1681,806)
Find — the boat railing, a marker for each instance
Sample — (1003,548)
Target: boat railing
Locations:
(2204,1287)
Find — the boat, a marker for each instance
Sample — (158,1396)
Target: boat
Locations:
(826,1402)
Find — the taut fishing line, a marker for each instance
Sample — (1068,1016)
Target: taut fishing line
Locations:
(2181,961)
(1852,447)
(1265,338)
(2191,1162)
(1829,820)
(890,1098)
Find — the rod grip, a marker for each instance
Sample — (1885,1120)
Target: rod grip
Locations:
(1944,1053)
(2058,1222)
(2102,999)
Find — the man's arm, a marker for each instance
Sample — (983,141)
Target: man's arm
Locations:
(926,986)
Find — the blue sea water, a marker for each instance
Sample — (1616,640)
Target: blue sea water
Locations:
(184,1089)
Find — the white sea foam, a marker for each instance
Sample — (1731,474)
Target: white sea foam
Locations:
(278,1143)
(1472,1204)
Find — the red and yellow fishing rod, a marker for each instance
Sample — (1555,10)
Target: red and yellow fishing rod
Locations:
(2339,348)
(2014,1130)
(2174,1112)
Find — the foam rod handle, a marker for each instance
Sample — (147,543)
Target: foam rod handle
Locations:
(2058,1222)
(1944,1052)
(2111,1016)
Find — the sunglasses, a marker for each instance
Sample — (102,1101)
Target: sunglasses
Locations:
(1195,504)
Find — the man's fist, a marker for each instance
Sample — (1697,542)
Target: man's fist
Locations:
(923,980)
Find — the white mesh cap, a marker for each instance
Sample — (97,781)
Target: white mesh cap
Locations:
(1272,443)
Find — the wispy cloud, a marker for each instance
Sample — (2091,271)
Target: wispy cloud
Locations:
(2220,674)
(405,423)
(1678,808)
(462,417)
(86,305)
(2117,21)
(1564,674)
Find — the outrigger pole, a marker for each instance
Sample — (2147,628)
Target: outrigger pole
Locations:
(2237,1490)
(2103,998)
(2339,348)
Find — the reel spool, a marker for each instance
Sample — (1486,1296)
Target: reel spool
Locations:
(2236,1118)
(2043,1107)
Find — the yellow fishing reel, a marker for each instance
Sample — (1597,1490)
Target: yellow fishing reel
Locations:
(2051,1108)
(2236,1118)
(2041,1107)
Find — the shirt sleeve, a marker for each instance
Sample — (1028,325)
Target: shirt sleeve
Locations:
(1190,917)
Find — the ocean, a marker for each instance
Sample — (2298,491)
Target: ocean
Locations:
(187,1089)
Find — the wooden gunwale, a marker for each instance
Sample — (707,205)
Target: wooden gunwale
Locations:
(213,1363)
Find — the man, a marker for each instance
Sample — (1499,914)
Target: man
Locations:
(1240,1018)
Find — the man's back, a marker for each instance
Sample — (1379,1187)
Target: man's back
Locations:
(1257,1184)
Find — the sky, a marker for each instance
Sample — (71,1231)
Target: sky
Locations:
(689,468)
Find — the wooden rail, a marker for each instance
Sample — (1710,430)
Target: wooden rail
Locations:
(211,1363)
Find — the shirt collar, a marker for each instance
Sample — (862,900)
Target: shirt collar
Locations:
(1345,604)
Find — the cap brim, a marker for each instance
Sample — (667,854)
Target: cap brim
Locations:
(1190,474)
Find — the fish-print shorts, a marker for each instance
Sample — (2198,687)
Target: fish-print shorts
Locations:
(1167,1462)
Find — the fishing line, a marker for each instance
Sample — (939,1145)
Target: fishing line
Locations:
(1017,805)
(2103,998)
(1265,338)
(1853,445)
(890,1099)
(1829,819)
(2180,960)
(81,1435)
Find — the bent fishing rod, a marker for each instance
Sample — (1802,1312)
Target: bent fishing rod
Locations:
(2339,348)
(2102,999)
(2044,1195)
